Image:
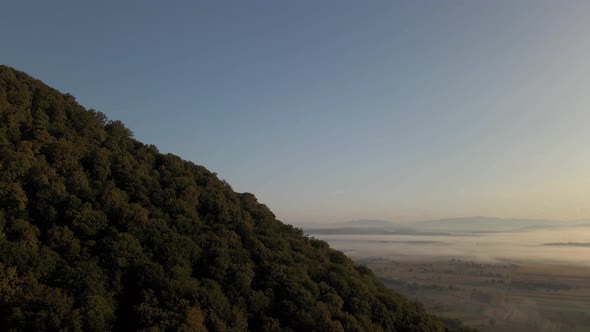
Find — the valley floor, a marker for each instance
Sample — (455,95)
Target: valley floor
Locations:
(500,296)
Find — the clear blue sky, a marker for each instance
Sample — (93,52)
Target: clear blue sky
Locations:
(339,110)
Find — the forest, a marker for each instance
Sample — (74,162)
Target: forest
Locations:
(101,232)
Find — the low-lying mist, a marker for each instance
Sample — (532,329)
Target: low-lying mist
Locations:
(563,245)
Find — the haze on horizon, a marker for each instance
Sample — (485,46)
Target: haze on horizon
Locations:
(334,111)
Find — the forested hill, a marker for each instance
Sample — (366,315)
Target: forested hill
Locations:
(101,232)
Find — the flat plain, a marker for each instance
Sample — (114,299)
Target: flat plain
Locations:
(499,296)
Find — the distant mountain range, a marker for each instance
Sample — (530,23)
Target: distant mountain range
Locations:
(371,231)
(475,224)
(479,224)
(568,244)
(368,223)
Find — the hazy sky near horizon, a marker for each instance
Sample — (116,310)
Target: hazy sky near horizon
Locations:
(339,110)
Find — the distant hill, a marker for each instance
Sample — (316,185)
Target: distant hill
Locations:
(486,224)
(368,223)
(374,227)
(450,226)
(99,232)
(370,231)
(348,231)
(355,227)
(364,223)
(582,224)
(568,244)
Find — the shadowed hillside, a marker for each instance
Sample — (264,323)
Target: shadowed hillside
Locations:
(99,231)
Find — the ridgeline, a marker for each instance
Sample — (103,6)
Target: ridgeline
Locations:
(101,232)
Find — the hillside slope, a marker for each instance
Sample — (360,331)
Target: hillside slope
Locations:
(99,231)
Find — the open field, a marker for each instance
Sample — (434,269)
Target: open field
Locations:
(508,296)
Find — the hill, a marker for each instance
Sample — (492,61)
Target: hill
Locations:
(366,223)
(101,232)
(487,224)
(568,244)
(442,227)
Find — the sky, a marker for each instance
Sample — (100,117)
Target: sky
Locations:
(339,110)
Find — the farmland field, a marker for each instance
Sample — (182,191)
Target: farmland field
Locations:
(523,296)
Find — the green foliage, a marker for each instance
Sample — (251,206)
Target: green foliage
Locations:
(99,232)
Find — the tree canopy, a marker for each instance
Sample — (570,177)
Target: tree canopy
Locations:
(99,232)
